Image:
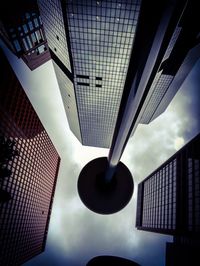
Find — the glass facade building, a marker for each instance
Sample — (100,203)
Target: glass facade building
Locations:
(69,100)
(181,54)
(54,24)
(22,31)
(56,30)
(107,50)
(169,198)
(29,166)
(178,49)
(97,37)
(158,203)
(101,36)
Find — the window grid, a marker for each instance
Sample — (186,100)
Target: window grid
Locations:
(160,85)
(159,204)
(24,218)
(101,37)
(54,29)
(193,183)
(68,97)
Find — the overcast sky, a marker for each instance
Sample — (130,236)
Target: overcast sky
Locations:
(75,233)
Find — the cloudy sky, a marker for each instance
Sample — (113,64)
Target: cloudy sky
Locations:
(75,233)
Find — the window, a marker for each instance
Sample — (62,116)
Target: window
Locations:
(41,49)
(30,25)
(36,22)
(29,42)
(38,35)
(27,15)
(25,44)
(25,28)
(83,83)
(82,76)
(34,38)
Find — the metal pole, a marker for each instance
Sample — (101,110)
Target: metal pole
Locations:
(122,137)
(133,101)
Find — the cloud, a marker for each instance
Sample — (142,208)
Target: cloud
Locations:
(81,234)
(154,143)
(178,143)
(75,233)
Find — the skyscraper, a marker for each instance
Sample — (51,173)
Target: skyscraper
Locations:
(168,199)
(29,165)
(22,31)
(105,51)
(168,202)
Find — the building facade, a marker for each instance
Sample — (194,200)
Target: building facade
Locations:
(183,251)
(169,198)
(179,55)
(168,202)
(22,31)
(104,50)
(93,41)
(29,165)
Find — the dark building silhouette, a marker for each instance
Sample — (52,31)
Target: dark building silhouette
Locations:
(111,260)
(105,51)
(29,168)
(168,202)
(22,31)
(183,251)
